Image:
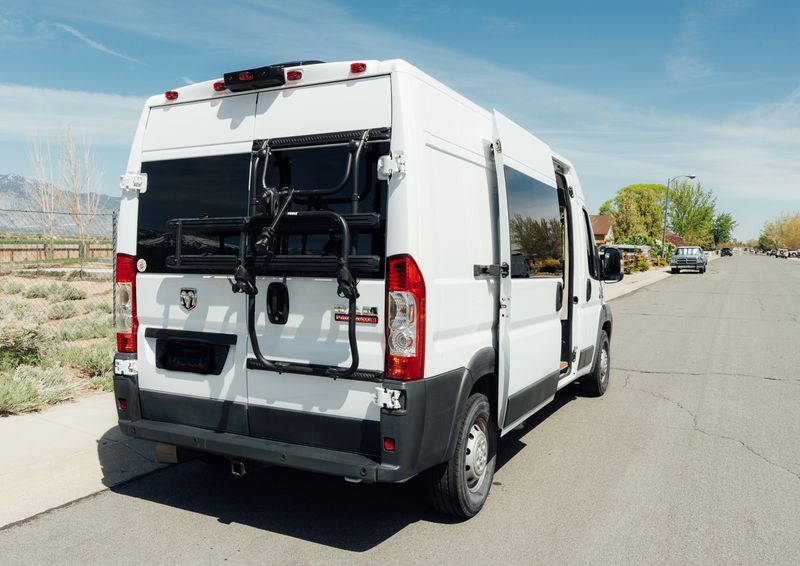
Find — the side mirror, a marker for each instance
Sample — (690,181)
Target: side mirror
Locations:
(611,265)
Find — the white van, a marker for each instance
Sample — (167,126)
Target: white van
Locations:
(351,269)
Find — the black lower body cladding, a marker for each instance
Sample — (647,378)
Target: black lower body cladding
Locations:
(421,430)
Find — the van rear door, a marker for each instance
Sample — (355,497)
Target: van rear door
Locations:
(531,245)
(192,341)
(312,130)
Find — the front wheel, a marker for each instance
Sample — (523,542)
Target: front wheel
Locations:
(674,270)
(595,383)
(461,485)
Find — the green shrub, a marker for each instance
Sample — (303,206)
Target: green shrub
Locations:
(95,360)
(39,291)
(19,344)
(54,291)
(60,311)
(102,306)
(29,388)
(14,288)
(82,328)
(640,263)
(69,293)
(103,382)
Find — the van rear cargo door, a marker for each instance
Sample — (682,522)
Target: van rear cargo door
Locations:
(192,338)
(299,317)
(531,245)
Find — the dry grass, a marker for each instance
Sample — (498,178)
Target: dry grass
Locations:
(56,340)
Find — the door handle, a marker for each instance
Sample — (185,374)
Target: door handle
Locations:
(559,296)
(588,290)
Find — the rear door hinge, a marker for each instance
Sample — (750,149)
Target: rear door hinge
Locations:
(387,398)
(391,165)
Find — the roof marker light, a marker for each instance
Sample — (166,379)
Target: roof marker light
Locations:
(294,75)
(171,94)
(219,86)
(245,76)
(358,67)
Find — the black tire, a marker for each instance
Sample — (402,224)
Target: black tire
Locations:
(595,383)
(675,270)
(453,487)
(702,270)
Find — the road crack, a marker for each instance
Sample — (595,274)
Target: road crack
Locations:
(697,428)
(708,373)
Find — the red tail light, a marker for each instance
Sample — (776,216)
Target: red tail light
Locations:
(245,76)
(358,67)
(171,95)
(294,75)
(127,322)
(405,319)
(219,86)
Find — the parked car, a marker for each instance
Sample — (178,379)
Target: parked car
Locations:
(726,251)
(689,257)
(782,253)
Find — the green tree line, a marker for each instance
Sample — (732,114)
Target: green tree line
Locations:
(637,215)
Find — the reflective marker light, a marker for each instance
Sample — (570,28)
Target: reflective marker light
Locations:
(358,67)
(171,94)
(294,75)
(127,322)
(405,323)
(123,403)
(388,444)
(219,86)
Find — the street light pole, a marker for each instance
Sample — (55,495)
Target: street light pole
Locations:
(666,207)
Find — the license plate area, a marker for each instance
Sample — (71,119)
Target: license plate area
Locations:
(191,356)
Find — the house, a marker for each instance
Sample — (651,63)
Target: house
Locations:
(602,228)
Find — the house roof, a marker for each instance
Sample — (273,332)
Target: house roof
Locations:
(601,224)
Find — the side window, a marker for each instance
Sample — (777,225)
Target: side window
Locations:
(535,226)
(591,249)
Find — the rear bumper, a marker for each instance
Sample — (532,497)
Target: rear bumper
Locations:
(423,432)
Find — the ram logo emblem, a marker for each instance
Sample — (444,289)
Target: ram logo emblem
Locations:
(188,299)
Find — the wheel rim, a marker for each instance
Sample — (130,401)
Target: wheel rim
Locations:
(604,366)
(477,455)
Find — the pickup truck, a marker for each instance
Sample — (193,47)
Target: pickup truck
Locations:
(689,257)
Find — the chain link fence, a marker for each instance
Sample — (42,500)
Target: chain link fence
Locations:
(56,326)
(58,274)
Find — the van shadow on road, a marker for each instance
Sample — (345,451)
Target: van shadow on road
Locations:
(312,507)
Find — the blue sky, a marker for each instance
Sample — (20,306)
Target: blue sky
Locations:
(631,92)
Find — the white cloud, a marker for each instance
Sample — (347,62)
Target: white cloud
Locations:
(103,119)
(92,43)
(747,157)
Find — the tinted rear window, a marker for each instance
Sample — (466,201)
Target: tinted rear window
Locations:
(219,187)
(190,188)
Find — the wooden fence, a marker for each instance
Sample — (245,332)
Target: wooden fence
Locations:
(14,253)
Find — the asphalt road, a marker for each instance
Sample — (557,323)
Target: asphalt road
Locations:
(692,457)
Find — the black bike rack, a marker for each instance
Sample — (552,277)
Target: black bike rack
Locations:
(258,230)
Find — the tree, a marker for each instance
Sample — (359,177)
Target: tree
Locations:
(692,213)
(537,239)
(43,194)
(79,178)
(782,232)
(637,213)
(722,228)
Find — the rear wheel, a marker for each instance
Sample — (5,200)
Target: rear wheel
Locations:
(461,485)
(595,383)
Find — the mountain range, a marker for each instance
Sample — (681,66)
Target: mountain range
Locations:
(20,215)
